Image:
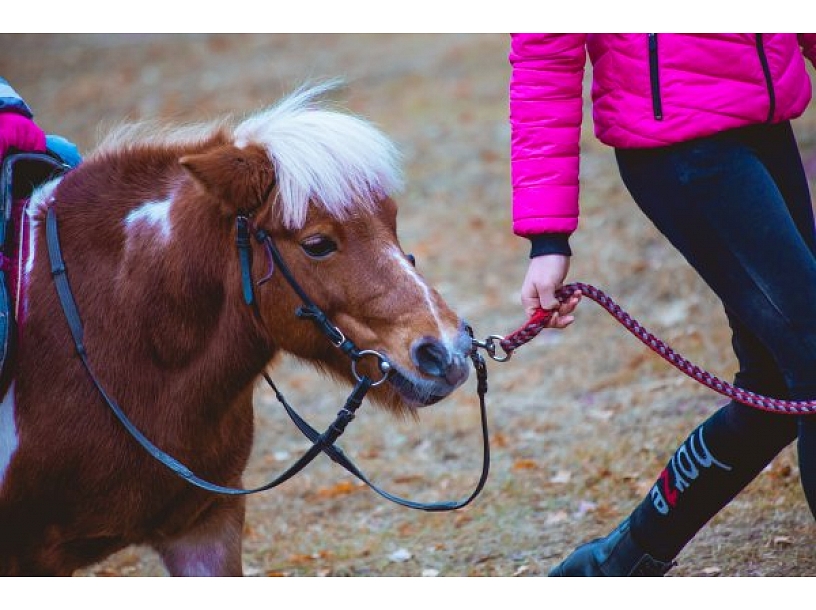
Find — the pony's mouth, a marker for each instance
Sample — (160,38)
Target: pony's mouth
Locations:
(424,392)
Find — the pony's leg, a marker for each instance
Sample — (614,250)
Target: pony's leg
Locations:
(212,546)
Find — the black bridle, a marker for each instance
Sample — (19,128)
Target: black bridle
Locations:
(321,442)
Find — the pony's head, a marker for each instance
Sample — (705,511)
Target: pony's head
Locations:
(320,182)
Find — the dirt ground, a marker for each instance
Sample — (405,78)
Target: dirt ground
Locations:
(581,421)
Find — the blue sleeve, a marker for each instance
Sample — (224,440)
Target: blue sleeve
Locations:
(66,150)
(10,100)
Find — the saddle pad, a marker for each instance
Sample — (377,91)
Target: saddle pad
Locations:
(20,175)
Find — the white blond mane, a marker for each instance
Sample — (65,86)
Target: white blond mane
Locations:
(322,156)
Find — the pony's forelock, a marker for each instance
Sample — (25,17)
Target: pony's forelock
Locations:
(321,155)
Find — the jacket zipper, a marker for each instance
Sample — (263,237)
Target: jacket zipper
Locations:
(763,59)
(654,77)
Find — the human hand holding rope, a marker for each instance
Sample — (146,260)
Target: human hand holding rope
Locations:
(545,276)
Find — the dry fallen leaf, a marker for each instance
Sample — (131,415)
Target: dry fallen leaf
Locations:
(300,559)
(524,464)
(405,529)
(461,519)
(409,478)
(340,489)
(498,440)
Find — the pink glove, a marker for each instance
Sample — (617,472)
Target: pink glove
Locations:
(20,132)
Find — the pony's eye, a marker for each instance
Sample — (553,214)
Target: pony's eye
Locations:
(411,259)
(318,246)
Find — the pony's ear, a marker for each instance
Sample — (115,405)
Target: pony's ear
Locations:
(239,178)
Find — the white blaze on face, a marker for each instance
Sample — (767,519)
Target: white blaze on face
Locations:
(8,432)
(406,266)
(155,214)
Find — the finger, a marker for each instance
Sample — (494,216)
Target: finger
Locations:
(569,305)
(530,305)
(563,321)
(548,302)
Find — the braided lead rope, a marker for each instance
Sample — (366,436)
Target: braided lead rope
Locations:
(540,319)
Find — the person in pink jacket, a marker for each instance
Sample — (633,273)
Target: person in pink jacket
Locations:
(17,128)
(700,125)
(19,132)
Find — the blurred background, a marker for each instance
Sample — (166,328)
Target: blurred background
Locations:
(581,421)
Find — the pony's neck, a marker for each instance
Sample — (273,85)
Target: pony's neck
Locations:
(158,286)
(195,322)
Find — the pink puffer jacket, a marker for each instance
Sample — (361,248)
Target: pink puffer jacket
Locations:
(648,90)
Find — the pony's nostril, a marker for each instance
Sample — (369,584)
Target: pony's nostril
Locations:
(457,372)
(431,357)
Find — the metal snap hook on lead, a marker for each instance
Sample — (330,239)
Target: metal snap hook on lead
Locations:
(490,344)
(384,366)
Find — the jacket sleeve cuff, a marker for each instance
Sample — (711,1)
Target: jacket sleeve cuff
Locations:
(550,243)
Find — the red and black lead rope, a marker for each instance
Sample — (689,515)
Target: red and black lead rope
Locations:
(539,320)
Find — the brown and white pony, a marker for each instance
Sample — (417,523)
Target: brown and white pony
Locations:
(147,226)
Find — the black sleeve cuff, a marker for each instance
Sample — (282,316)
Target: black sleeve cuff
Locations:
(550,243)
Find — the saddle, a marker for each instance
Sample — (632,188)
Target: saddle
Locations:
(20,174)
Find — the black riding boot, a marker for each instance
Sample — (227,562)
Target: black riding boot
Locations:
(615,555)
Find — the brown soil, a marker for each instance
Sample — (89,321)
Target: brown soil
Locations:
(582,421)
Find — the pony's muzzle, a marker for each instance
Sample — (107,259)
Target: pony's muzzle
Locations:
(434,359)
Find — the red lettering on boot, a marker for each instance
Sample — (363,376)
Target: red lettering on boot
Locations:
(670,494)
